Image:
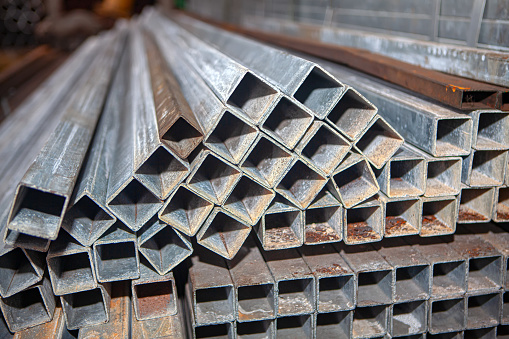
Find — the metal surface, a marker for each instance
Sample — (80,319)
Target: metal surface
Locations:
(403,216)
(498,238)
(439,216)
(446,315)
(334,324)
(484,168)
(256,329)
(370,321)
(116,255)
(483,310)
(299,326)
(476,205)
(490,130)
(365,222)
(408,318)
(323,220)
(52,329)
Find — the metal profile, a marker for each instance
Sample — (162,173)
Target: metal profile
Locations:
(439,215)
(248,200)
(70,266)
(212,177)
(52,329)
(287,121)
(255,289)
(483,310)
(226,330)
(16,239)
(408,318)
(499,239)
(403,216)
(213,297)
(334,324)
(43,194)
(404,175)
(375,276)
(87,308)
(295,283)
(481,333)
(484,168)
(323,148)
(163,246)
(297,326)
(365,222)
(484,263)
(266,161)
(281,226)
(256,329)
(154,295)
(490,130)
(323,220)
(167,327)
(370,321)
(30,307)
(336,286)
(446,315)
(353,181)
(504,319)
(501,205)
(379,142)
(116,255)
(185,211)
(476,205)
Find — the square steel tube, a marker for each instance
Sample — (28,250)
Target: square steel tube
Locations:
(334,324)
(504,318)
(370,321)
(408,318)
(256,329)
(483,310)
(484,168)
(439,216)
(476,205)
(297,326)
(498,238)
(52,329)
(225,330)
(323,220)
(19,269)
(481,333)
(447,315)
(402,216)
(364,223)
(501,205)
(490,129)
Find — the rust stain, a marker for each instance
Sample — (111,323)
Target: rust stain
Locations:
(360,231)
(466,214)
(397,225)
(334,269)
(316,233)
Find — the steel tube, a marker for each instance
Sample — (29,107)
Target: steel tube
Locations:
(446,315)
(370,321)
(501,205)
(483,310)
(408,318)
(484,168)
(476,205)
(323,220)
(52,329)
(334,324)
(439,216)
(365,222)
(490,130)
(403,216)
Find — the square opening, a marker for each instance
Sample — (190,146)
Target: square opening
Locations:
(71,273)
(282,230)
(85,308)
(319,92)
(256,302)
(214,304)
(406,178)
(25,309)
(370,321)
(488,168)
(252,96)
(412,283)
(449,278)
(478,99)
(438,217)
(481,333)
(323,225)
(355,184)
(333,325)
(214,331)
(443,177)
(336,293)
(256,329)
(231,138)
(301,184)
(287,122)
(505,308)
(374,288)
(16,272)
(294,327)
(363,225)
(402,218)
(267,162)
(352,114)
(409,318)
(502,206)
(447,315)
(295,296)
(483,310)
(155,300)
(475,205)
(453,137)
(492,130)
(484,273)
(182,137)
(117,261)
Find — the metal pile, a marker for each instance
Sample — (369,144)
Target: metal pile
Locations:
(173,136)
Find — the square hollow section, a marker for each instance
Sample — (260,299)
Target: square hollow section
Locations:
(25,309)
(256,302)
(334,325)
(213,304)
(438,217)
(296,296)
(492,130)
(301,184)
(84,308)
(182,137)
(488,168)
(502,204)
(379,143)
(71,273)
(443,177)
(252,96)
(282,230)
(266,162)
(214,331)
(374,288)
(323,225)
(16,272)
(406,178)
(155,299)
(162,172)
(256,329)
(484,273)
(299,326)
(319,92)
(355,184)
(402,218)
(409,318)
(505,308)
(231,138)
(476,205)
(483,310)
(447,315)
(336,293)
(116,261)
(482,333)
(287,122)
(370,322)
(449,278)
(453,137)
(363,225)
(412,282)
(352,114)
